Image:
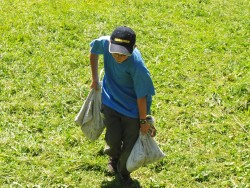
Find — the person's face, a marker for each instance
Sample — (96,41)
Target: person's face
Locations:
(119,58)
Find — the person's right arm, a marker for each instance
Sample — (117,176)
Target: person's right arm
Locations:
(94,69)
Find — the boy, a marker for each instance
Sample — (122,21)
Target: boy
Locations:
(126,95)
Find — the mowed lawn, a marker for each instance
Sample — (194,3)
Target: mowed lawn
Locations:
(198,54)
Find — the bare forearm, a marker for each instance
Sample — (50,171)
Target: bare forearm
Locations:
(94,67)
(142,106)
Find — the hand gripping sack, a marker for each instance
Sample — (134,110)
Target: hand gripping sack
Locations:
(145,151)
(89,117)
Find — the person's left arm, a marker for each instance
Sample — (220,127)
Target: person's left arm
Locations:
(142,106)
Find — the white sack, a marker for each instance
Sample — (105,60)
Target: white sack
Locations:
(145,151)
(89,117)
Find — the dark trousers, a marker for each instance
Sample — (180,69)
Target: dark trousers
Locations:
(121,135)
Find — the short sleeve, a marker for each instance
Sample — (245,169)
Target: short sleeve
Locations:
(143,83)
(97,45)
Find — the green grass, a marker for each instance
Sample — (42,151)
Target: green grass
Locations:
(198,55)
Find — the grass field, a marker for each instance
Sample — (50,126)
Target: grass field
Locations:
(199,58)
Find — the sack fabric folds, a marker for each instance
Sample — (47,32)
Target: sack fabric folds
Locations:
(89,117)
(145,151)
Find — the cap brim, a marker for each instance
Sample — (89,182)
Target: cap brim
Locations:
(115,48)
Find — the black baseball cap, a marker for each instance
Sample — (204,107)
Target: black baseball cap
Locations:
(122,41)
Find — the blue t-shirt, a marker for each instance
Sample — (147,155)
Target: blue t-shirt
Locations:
(123,83)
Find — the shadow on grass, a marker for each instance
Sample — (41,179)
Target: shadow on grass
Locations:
(93,167)
(115,183)
(89,167)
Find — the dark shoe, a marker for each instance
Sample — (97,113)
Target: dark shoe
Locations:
(126,180)
(112,165)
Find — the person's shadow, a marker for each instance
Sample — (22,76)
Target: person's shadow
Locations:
(115,183)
